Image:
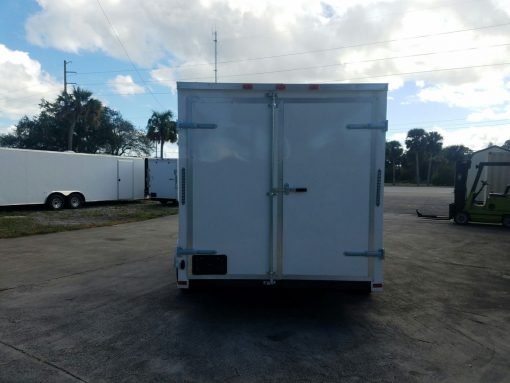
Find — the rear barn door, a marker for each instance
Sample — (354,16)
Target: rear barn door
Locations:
(326,168)
(230,173)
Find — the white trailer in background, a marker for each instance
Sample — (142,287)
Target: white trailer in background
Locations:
(161,179)
(281,184)
(58,179)
(497,177)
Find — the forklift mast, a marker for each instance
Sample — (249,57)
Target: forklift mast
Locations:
(460,187)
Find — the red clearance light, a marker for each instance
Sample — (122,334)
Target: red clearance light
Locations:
(280,87)
(247,86)
(377,285)
(314,87)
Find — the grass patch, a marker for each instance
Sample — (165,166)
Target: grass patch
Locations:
(30,220)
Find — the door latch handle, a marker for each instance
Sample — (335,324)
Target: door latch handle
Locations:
(287,189)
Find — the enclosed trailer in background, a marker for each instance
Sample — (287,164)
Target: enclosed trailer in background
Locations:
(497,178)
(161,179)
(281,184)
(58,179)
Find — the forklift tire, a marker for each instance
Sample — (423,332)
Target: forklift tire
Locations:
(506,221)
(461,218)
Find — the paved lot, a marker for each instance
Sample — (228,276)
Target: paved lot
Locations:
(100,305)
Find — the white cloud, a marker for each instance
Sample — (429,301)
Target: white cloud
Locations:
(267,41)
(488,114)
(22,84)
(7,129)
(474,137)
(124,85)
(166,76)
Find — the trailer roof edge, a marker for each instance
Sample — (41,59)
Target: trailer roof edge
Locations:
(274,86)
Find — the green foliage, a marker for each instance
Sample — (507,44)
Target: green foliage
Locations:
(394,152)
(506,145)
(161,128)
(434,160)
(80,122)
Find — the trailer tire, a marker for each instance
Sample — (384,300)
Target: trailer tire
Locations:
(506,221)
(56,201)
(461,218)
(75,201)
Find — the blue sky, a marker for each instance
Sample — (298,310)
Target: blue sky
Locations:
(447,62)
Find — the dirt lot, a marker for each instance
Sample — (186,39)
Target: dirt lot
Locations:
(101,305)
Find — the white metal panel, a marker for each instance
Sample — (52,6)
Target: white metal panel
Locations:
(125,180)
(230,181)
(162,178)
(29,176)
(333,163)
(228,178)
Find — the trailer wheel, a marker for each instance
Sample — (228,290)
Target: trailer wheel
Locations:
(506,221)
(75,201)
(461,218)
(56,201)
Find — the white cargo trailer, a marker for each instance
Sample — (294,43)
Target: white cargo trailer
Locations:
(161,179)
(66,178)
(281,184)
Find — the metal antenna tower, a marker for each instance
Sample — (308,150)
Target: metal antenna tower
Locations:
(215,56)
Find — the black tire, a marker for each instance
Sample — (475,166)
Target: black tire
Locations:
(75,201)
(506,221)
(55,202)
(461,218)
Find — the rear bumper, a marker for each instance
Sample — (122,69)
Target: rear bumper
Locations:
(359,286)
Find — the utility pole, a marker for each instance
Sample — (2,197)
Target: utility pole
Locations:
(215,56)
(65,76)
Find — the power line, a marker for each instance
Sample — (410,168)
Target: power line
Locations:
(127,54)
(314,51)
(358,62)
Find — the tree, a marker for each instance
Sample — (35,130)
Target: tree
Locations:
(394,153)
(88,127)
(433,146)
(415,143)
(75,111)
(450,156)
(506,145)
(121,137)
(456,153)
(161,128)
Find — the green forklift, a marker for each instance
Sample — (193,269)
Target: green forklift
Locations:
(468,207)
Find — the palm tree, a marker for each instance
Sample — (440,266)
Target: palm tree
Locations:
(394,153)
(415,142)
(433,146)
(78,108)
(161,128)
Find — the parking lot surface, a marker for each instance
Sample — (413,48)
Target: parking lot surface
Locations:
(100,305)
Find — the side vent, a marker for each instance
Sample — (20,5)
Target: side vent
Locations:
(183,186)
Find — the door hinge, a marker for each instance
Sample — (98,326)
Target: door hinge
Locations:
(383,125)
(192,125)
(374,253)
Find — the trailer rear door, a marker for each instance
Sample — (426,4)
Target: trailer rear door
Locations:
(228,174)
(327,170)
